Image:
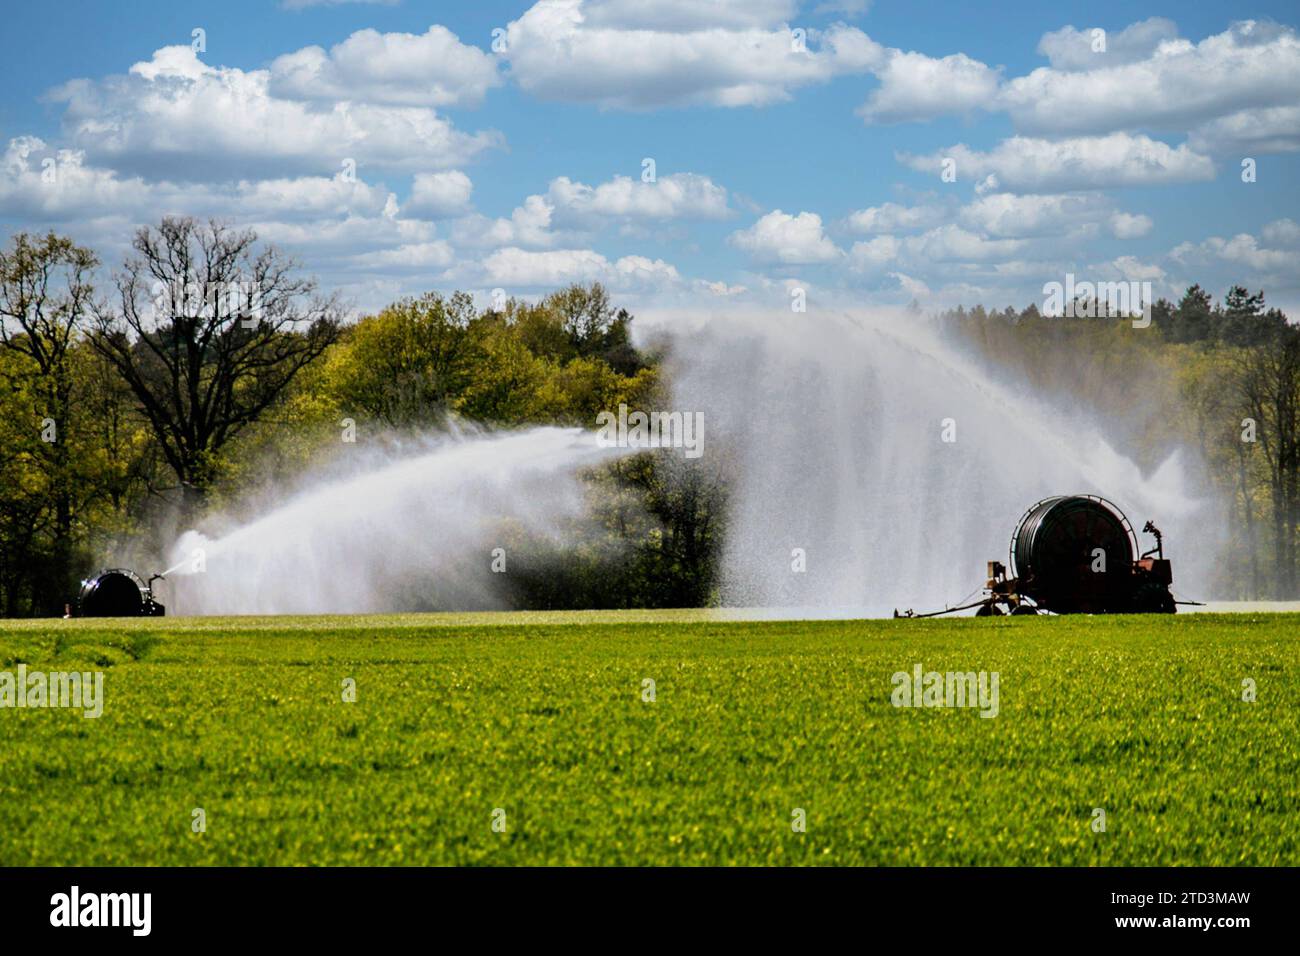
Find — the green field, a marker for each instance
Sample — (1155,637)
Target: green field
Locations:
(543,717)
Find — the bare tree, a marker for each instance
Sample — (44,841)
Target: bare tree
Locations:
(208,330)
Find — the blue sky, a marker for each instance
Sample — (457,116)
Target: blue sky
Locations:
(775,166)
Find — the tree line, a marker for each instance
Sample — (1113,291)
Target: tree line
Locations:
(208,368)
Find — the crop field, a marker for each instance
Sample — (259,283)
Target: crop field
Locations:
(655,738)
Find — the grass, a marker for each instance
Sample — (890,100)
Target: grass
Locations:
(542,716)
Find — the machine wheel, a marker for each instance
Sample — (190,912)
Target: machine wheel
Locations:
(1025,609)
(988,610)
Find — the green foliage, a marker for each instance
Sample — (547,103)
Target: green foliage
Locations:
(164,417)
(543,716)
(407,365)
(70,465)
(184,404)
(421,362)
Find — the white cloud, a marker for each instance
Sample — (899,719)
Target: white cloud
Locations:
(1232,90)
(438,195)
(676,196)
(1025,269)
(685,16)
(721,289)
(1281,232)
(914,86)
(1272,130)
(1008,215)
(640,271)
(790,240)
(73,189)
(1125,225)
(1071,49)
(263,147)
(873,254)
(1128,267)
(892,217)
(436,254)
(1242,249)
(1251,65)
(571,211)
(336,242)
(430,69)
(43,183)
(175,115)
(629,56)
(528,269)
(528,225)
(1091,162)
(951,243)
(341,229)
